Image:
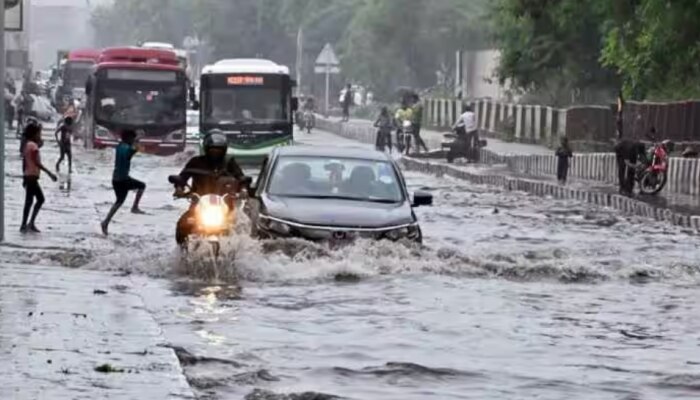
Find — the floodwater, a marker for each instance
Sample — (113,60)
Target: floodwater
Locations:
(511,297)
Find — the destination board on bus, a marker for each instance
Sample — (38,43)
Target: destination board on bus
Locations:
(239,80)
(141,75)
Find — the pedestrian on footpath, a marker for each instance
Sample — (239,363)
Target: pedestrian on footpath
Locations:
(32,171)
(347,100)
(564,155)
(64,143)
(122,182)
(418,122)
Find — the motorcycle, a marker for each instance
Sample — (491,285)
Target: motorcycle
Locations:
(404,137)
(214,215)
(652,174)
(457,144)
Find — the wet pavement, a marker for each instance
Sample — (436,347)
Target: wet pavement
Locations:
(512,296)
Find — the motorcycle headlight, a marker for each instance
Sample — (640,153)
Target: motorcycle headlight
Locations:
(406,124)
(212,216)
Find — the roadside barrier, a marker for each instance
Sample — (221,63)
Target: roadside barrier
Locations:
(684,174)
(621,203)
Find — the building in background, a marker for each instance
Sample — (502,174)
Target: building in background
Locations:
(17,45)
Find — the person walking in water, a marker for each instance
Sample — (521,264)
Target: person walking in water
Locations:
(122,182)
(563,154)
(64,143)
(32,171)
(385,126)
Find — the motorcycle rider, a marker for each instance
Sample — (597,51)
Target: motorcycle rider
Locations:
(213,161)
(467,129)
(405,113)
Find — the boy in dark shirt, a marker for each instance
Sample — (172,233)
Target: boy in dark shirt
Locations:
(121,181)
(564,154)
(64,143)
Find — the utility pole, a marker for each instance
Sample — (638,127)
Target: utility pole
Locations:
(2,126)
(300,56)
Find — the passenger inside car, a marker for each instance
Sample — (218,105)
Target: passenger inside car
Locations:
(295,179)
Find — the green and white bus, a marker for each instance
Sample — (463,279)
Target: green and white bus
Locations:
(251,101)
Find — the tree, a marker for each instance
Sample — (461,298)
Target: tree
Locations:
(654,46)
(551,46)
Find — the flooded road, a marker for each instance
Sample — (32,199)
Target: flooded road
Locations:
(512,297)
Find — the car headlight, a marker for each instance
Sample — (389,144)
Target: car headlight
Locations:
(101,132)
(407,232)
(275,226)
(176,136)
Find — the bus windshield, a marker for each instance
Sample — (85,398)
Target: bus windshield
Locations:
(135,97)
(244,105)
(245,99)
(76,73)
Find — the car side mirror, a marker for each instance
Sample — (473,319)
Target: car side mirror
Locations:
(295,104)
(422,199)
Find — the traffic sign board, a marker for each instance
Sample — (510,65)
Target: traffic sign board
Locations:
(331,69)
(327,56)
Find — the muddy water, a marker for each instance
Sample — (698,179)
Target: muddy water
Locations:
(512,297)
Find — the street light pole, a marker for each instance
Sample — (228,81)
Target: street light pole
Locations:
(2,124)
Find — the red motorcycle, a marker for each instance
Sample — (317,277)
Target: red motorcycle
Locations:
(652,174)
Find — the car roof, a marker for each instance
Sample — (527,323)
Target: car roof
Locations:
(361,153)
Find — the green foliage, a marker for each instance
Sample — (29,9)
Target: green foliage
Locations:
(655,46)
(650,46)
(382,43)
(550,45)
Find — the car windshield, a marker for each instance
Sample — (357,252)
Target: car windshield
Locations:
(77,73)
(336,178)
(141,104)
(244,105)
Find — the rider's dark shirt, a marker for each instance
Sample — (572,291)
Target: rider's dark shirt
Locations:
(207,184)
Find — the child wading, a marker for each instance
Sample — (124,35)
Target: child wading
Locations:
(121,181)
(563,154)
(32,171)
(64,143)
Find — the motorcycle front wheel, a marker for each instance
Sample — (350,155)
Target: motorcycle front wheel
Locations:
(652,183)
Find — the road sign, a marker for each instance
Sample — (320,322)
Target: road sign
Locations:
(321,69)
(327,56)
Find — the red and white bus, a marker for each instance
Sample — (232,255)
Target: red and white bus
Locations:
(140,89)
(74,75)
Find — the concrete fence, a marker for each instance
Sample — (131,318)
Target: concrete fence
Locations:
(684,176)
